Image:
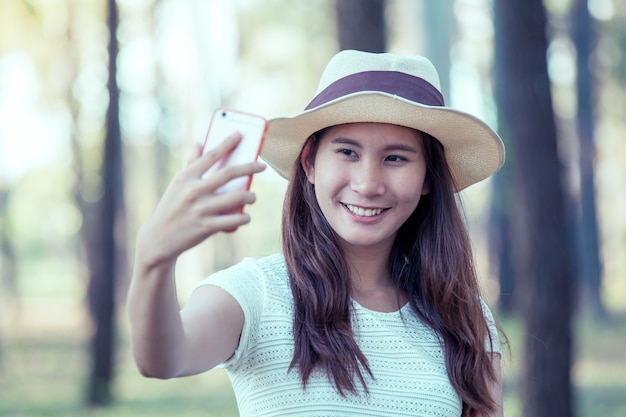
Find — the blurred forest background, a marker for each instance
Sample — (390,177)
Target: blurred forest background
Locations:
(94,126)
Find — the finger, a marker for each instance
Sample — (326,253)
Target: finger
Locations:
(222,176)
(218,205)
(210,157)
(196,152)
(229,222)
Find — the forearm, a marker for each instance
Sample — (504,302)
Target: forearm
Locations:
(157,334)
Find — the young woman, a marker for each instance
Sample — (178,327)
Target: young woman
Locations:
(374,306)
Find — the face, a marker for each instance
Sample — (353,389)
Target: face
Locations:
(368,180)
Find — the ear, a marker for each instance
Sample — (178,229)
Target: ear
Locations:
(307,162)
(426,186)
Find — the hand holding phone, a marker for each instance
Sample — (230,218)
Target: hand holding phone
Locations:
(252,128)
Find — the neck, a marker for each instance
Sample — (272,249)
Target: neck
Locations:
(368,266)
(371,284)
(370,280)
(370,275)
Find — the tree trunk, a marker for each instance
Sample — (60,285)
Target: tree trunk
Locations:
(589,257)
(162,147)
(502,229)
(8,268)
(438,19)
(361,25)
(507,206)
(104,255)
(544,247)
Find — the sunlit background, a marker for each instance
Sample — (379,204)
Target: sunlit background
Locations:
(178,61)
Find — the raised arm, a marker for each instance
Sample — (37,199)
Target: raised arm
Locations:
(166,341)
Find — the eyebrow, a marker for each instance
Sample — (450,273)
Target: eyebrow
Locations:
(393,147)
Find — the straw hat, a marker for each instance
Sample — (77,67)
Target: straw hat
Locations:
(386,88)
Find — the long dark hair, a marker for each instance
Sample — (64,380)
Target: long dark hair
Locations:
(431,263)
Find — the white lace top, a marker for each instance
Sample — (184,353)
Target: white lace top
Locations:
(405,356)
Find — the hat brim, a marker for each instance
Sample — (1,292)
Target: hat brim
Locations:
(473,150)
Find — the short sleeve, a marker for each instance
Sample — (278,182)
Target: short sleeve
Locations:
(492,345)
(243,283)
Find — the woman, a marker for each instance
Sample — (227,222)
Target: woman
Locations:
(374,307)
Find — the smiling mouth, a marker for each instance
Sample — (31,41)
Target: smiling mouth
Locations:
(364,212)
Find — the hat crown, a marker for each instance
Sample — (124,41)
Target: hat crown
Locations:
(348,62)
(386,88)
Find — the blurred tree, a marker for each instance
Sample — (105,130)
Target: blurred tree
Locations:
(588,254)
(8,268)
(361,25)
(542,245)
(438,22)
(506,205)
(504,220)
(106,259)
(162,152)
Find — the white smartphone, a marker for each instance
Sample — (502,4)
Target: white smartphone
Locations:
(252,128)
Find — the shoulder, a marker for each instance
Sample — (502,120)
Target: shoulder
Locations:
(493,342)
(261,289)
(250,278)
(487,312)
(269,265)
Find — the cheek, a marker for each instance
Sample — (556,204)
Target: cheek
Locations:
(409,190)
(322,181)
(326,174)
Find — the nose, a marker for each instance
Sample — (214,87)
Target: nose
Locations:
(367,178)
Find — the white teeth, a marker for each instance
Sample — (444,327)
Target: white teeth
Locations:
(359,211)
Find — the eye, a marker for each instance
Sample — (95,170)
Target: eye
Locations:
(346,152)
(395,158)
